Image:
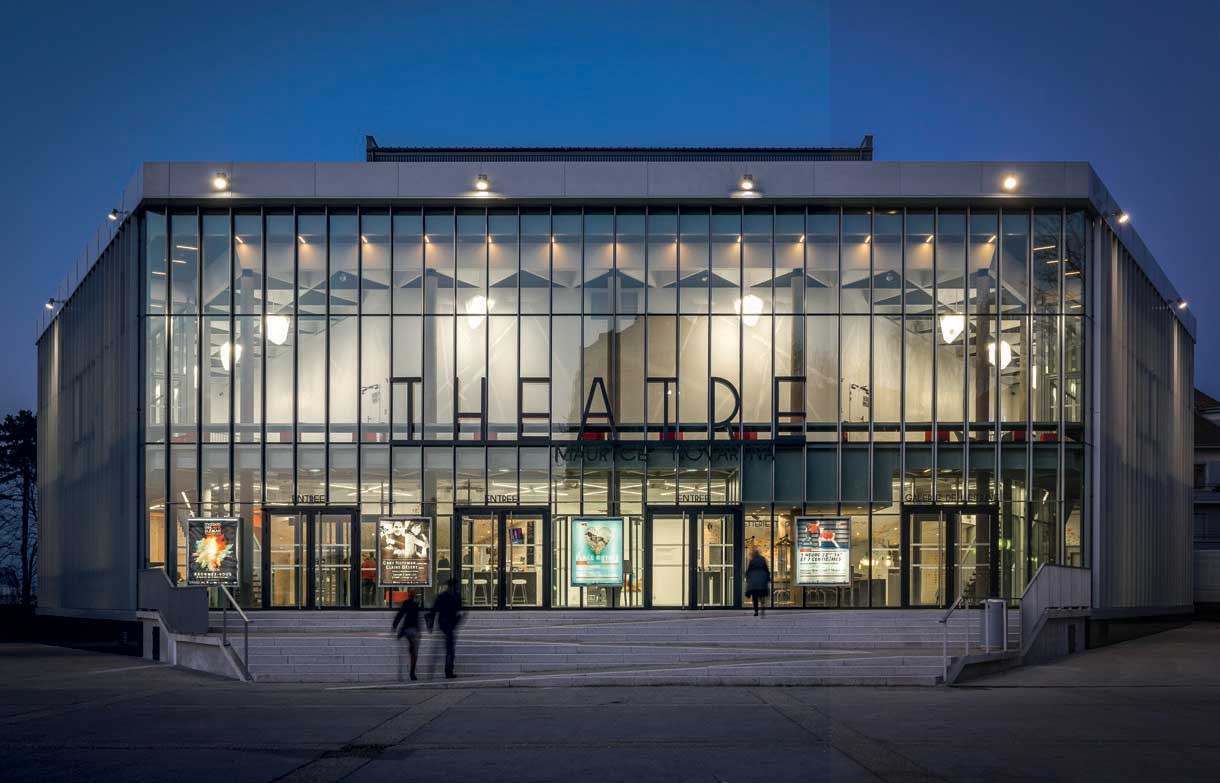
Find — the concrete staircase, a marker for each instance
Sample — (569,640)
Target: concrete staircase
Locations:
(533,648)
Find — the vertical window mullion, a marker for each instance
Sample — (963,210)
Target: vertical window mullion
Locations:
(233,364)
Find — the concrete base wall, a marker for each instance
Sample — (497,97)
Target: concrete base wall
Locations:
(1060,637)
(1207,576)
(1102,632)
(199,652)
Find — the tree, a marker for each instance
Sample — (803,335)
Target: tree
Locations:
(19,493)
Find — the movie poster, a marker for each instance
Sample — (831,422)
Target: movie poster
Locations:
(597,551)
(212,544)
(822,552)
(404,552)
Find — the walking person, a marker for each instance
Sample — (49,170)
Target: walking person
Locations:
(758,581)
(406,623)
(447,611)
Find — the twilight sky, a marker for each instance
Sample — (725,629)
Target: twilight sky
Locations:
(91,91)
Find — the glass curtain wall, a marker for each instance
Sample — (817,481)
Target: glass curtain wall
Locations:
(600,360)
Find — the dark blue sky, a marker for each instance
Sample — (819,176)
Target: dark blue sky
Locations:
(90,92)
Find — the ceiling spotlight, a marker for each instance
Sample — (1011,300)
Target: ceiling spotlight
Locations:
(481,182)
(1010,182)
(1120,216)
(747,182)
(220,181)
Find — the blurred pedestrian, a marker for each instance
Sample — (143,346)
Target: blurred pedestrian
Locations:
(447,611)
(758,582)
(406,623)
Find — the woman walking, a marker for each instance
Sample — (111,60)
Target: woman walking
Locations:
(758,581)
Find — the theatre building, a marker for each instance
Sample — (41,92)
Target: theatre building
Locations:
(601,378)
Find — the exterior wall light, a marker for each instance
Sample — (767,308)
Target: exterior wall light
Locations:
(220,181)
(1010,183)
(747,182)
(51,304)
(1121,217)
(1181,304)
(481,183)
(115,214)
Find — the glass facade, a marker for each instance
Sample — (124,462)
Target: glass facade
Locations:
(708,373)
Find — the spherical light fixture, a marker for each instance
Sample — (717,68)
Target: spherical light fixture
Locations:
(1005,354)
(1010,183)
(749,309)
(230,354)
(482,184)
(951,327)
(277,329)
(477,308)
(747,182)
(220,181)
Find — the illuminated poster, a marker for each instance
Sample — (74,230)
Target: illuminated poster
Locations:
(212,544)
(597,551)
(404,552)
(822,552)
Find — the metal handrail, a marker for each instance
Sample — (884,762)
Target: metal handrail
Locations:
(960,603)
(224,627)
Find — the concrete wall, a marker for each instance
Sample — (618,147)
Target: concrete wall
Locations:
(1143,431)
(88,441)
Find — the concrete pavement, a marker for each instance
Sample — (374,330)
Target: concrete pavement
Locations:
(1138,711)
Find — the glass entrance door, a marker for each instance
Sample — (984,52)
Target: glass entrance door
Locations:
(716,571)
(692,557)
(925,559)
(669,582)
(949,552)
(502,556)
(332,561)
(288,553)
(308,559)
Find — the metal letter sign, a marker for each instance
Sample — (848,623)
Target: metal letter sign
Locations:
(822,552)
(212,551)
(404,552)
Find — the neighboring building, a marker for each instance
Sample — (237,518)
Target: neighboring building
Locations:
(979,364)
(1207,500)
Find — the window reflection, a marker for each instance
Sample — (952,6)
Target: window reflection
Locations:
(895,317)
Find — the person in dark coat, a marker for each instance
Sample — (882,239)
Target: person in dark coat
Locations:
(406,623)
(447,613)
(758,581)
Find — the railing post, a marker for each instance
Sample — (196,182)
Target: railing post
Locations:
(944,655)
(224,622)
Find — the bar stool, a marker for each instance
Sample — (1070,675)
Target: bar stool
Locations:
(519,585)
(480,584)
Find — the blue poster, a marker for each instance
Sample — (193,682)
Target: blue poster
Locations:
(597,551)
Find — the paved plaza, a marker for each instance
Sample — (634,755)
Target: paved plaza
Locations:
(1142,710)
